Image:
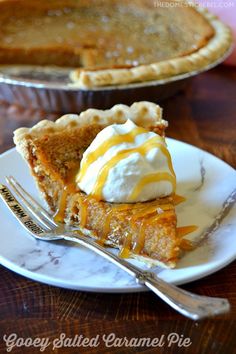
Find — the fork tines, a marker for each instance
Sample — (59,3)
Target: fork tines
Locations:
(31,205)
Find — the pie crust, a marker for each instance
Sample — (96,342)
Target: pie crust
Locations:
(53,150)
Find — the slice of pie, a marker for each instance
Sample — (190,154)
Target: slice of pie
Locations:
(62,159)
(111,41)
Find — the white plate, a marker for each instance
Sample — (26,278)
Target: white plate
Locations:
(203,179)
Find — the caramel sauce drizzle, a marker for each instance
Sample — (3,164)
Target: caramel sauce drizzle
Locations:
(125,250)
(151,178)
(106,145)
(83,209)
(165,214)
(106,229)
(166,210)
(151,210)
(60,213)
(69,187)
(139,244)
(123,207)
(122,154)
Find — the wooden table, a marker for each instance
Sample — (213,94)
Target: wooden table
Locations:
(203,115)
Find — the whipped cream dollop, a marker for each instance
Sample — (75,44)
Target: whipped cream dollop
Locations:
(126,164)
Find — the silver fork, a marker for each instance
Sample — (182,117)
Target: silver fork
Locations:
(40,224)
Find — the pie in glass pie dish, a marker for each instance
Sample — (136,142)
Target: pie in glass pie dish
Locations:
(111,42)
(110,174)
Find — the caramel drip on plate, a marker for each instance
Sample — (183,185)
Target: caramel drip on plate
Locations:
(122,154)
(186,245)
(182,231)
(106,145)
(177,199)
(185,230)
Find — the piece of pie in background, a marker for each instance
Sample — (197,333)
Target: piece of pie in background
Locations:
(66,56)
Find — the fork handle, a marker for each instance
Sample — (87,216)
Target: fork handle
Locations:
(188,304)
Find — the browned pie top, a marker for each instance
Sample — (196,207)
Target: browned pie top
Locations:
(100,34)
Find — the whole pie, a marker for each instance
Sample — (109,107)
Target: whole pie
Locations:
(61,156)
(111,42)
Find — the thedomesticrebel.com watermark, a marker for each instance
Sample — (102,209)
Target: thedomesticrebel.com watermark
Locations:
(108,340)
(210,4)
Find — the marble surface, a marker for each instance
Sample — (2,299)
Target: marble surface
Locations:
(203,179)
